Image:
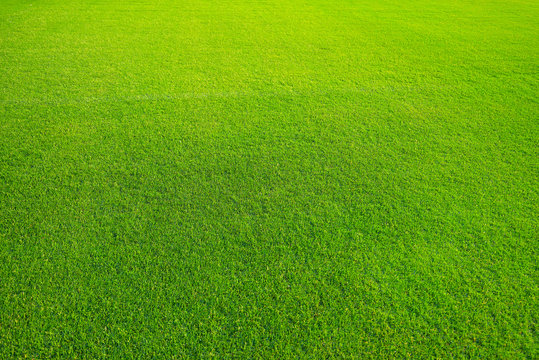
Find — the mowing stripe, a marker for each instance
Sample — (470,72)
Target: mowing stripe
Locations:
(215,95)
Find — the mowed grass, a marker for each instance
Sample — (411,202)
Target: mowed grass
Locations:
(269,179)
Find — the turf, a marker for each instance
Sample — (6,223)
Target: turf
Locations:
(269,179)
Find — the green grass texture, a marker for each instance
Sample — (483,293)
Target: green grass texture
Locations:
(273,179)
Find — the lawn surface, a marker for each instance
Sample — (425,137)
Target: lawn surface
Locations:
(269,179)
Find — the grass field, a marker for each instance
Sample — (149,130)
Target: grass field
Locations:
(269,179)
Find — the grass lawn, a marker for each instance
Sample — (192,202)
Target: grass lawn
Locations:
(269,179)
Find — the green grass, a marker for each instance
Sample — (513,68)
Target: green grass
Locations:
(269,179)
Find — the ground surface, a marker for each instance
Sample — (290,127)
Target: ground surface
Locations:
(269,179)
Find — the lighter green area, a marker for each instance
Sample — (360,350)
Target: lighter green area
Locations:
(269,179)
